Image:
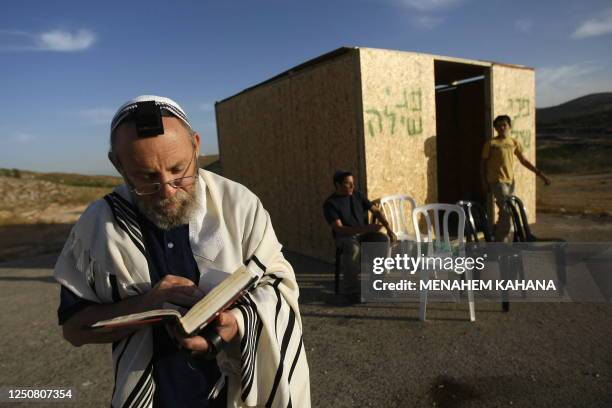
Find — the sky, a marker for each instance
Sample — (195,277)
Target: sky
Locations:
(66,66)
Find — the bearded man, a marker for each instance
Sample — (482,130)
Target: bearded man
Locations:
(170,234)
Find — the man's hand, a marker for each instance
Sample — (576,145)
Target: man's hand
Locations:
(373,227)
(174,289)
(171,288)
(391,235)
(225,326)
(545,179)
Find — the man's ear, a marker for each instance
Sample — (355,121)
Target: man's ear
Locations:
(113,159)
(196,142)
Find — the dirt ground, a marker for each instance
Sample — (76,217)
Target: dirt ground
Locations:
(537,355)
(577,194)
(373,354)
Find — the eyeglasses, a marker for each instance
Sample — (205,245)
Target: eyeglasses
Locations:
(152,188)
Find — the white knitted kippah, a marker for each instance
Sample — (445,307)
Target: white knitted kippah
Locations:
(163,102)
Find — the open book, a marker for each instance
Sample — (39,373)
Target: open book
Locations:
(202,313)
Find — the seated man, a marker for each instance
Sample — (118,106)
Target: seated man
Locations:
(346,210)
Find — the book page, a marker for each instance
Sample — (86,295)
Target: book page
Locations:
(138,318)
(222,296)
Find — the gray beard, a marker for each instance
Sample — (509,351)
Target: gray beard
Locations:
(154,210)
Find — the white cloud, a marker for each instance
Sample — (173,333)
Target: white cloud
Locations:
(426,22)
(595,26)
(430,5)
(560,84)
(54,40)
(58,40)
(426,14)
(206,107)
(97,116)
(555,76)
(525,25)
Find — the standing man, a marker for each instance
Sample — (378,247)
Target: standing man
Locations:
(346,210)
(171,233)
(497,171)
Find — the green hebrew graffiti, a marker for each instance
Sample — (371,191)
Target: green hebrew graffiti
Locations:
(413,129)
(517,109)
(371,126)
(391,116)
(416,101)
(404,107)
(524,137)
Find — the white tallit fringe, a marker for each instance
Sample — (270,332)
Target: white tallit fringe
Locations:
(268,367)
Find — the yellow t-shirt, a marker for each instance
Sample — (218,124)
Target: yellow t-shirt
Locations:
(499,153)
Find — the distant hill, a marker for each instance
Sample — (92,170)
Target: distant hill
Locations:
(29,197)
(68,179)
(591,113)
(575,137)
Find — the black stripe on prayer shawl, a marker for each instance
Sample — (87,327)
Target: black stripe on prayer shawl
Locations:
(130,223)
(148,398)
(143,398)
(278,304)
(246,379)
(284,346)
(123,209)
(110,199)
(249,343)
(275,284)
(118,206)
(114,288)
(126,343)
(127,213)
(139,388)
(134,238)
(126,204)
(133,224)
(295,359)
(246,345)
(258,262)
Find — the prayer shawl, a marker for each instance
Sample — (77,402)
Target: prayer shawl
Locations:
(104,261)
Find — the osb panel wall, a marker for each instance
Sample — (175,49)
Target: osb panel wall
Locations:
(513,92)
(399,118)
(284,140)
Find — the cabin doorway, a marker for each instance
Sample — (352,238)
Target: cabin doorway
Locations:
(463,123)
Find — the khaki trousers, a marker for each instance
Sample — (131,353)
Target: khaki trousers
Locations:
(351,259)
(503,228)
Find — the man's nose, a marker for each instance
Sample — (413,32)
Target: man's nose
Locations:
(166,190)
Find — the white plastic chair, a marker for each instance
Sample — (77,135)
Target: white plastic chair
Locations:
(398,211)
(439,243)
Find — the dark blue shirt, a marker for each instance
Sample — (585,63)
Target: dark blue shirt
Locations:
(180,380)
(351,210)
